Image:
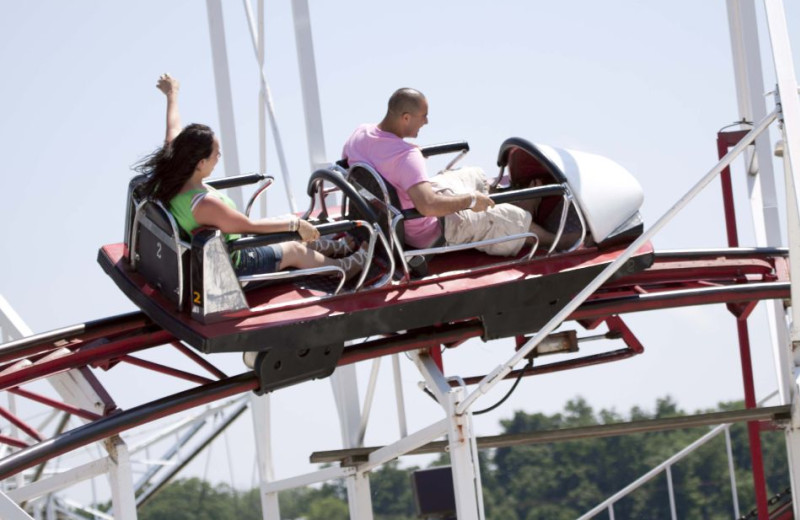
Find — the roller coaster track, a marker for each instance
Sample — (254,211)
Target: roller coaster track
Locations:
(738,278)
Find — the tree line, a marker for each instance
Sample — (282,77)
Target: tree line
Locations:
(535,482)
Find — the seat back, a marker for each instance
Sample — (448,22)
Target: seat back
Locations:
(382,198)
(158,253)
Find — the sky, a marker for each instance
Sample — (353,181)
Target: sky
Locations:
(646,84)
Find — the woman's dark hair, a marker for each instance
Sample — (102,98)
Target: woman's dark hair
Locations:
(173,164)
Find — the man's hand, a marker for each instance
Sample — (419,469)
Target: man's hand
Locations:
(482,202)
(167,84)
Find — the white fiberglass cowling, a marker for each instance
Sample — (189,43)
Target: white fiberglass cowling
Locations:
(606,192)
(608,195)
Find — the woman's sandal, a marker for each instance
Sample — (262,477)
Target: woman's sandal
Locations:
(333,248)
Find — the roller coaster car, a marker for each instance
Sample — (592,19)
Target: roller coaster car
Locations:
(298,321)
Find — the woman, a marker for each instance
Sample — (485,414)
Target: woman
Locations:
(177,171)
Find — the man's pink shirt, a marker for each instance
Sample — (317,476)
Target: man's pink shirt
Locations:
(400,163)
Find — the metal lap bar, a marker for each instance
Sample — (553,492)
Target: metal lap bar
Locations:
(261,189)
(325,270)
(568,201)
(457,158)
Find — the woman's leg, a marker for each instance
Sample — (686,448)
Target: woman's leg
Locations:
(299,255)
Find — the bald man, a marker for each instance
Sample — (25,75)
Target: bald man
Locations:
(470,214)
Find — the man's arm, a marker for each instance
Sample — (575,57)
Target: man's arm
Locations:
(432,204)
(170,86)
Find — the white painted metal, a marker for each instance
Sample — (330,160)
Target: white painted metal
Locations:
(267,99)
(167,456)
(501,371)
(98,515)
(308,83)
(60,480)
(398,392)
(763,196)
(227,134)
(790,118)
(260,408)
(607,193)
(309,478)
(121,479)
(262,102)
(9,510)
(368,399)
(462,444)
(74,388)
(464,459)
(345,392)
(732,472)
(404,445)
(671,492)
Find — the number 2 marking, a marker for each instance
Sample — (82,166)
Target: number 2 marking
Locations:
(158,250)
(197,299)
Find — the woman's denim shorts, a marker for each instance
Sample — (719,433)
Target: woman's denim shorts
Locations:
(257,260)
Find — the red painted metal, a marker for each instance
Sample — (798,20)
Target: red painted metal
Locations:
(595,359)
(97,350)
(76,335)
(194,356)
(157,367)
(64,407)
(19,423)
(615,325)
(421,338)
(724,141)
(11,441)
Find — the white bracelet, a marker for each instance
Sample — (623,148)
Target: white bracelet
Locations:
(294,225)
(472,201)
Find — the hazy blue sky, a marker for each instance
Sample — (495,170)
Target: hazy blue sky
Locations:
(647,84)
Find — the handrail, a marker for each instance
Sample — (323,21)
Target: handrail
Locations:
(666,464)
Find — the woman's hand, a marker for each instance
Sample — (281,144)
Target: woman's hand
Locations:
(307,231)
(170,86)
(167,84)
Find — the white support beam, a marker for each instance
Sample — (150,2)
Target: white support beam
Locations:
(345,392)
(308,83)
(121,479)
(398,392)
(9,510)
(790,119)
(260,408)
(60,480)
(748,73)
(262,102)
(309,478)
(266,97)
(404,445)
(222,81)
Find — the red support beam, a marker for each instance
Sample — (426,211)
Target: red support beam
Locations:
(163,369)
(19,423)
(58,405)
(194,356)
(725,140)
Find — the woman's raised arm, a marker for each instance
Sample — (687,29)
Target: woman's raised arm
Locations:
(170,86)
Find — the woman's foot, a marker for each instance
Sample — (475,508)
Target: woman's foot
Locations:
(354,263)
(334,248)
